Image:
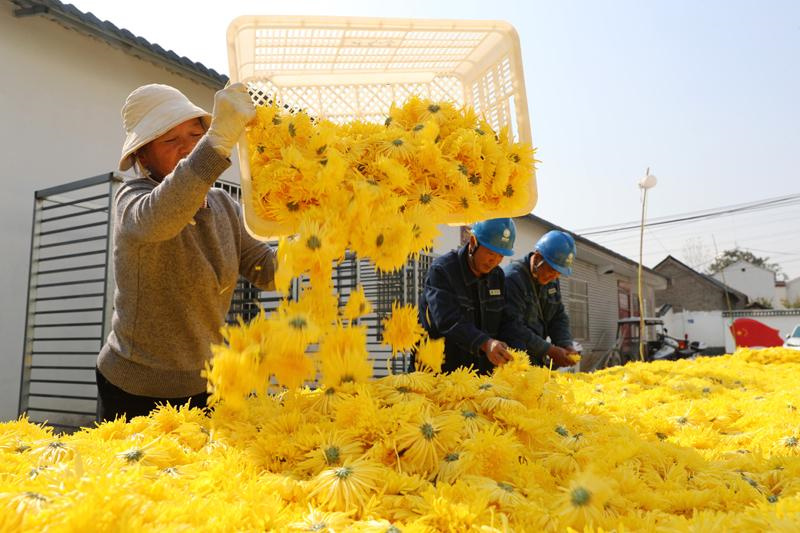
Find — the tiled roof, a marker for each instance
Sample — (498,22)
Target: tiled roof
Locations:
(71,17)
(592,244)
(730,290)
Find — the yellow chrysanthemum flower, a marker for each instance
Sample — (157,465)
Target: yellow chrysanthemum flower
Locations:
(430,355)
(357,305)
(349,486)
(423,440)
(402,329)
(343,356)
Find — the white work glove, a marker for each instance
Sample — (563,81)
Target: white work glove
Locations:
(233,109)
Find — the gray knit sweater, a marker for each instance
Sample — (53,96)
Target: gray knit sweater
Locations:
(176,264)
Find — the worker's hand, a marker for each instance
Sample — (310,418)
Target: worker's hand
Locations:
(496,351)
(233,109)
(560,356)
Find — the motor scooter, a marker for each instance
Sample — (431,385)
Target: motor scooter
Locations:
(672,349)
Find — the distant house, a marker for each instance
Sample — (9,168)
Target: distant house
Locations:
(690,290)
(793,291)
(601,290)
(757,282)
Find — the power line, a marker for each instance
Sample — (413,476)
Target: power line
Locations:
(770,203)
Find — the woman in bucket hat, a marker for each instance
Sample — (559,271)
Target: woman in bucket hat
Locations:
(179,248)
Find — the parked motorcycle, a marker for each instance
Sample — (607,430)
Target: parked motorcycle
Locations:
(672,349)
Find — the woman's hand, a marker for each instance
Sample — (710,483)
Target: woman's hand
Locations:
(233,110)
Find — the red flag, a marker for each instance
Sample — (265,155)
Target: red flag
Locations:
(750,333)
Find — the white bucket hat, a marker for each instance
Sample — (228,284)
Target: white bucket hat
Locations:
(149,112)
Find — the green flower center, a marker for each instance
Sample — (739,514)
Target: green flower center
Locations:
(298,322)
(580,496)
(133,456)
(332,455)
(427,431)
(343,472)
(505,486)
(314,243)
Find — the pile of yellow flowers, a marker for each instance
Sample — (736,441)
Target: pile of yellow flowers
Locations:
(704,445)
(381,189)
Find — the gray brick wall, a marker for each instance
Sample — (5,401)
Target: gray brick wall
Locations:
(690,292)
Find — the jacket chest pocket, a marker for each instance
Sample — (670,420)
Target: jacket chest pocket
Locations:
(493,300)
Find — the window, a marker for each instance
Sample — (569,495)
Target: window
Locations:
(578,309)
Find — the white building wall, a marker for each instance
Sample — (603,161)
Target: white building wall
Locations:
(754,281)
(780,297)
(60,105)
(603,308)
(703,326)
(793,290)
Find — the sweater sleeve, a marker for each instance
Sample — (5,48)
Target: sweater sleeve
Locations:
(160,213)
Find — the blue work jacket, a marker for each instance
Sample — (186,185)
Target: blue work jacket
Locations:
(464,309)
(534,312)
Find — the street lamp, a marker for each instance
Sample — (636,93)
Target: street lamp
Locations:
(647,182)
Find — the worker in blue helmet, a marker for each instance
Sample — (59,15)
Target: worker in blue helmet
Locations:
(463,298)
(533,301)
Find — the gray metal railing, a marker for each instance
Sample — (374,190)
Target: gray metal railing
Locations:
(71,288)
(68,313)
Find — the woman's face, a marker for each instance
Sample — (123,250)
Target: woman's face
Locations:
(162,155)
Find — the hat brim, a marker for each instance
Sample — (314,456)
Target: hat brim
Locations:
(159,121)
(564,271)
(496,249)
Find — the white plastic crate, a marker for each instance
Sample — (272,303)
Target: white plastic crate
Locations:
(343,68)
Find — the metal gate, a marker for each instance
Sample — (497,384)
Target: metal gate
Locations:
(71,288)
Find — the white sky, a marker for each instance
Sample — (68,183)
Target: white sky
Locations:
(703,93)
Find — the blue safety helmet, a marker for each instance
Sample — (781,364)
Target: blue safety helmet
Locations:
(497,234)
(558,249)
